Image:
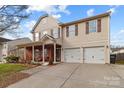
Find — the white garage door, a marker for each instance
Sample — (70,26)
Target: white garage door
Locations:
(72,55)
(94,55)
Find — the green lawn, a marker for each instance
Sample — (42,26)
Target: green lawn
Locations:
(10,73)
(6,69)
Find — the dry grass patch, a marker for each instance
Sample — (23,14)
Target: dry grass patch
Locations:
(10,73)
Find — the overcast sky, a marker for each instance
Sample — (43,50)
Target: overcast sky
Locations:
(70,13)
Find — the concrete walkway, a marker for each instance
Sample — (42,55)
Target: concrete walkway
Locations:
(73,75)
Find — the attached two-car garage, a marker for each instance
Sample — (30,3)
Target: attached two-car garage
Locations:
(89,55)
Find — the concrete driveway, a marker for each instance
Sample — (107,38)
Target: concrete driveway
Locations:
(73,76)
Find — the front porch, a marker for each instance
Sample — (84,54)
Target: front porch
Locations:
(43,53)
(45,50)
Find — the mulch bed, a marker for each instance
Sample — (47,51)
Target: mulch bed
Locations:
(14,77)
(28,65)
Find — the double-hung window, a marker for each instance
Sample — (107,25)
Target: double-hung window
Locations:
(37,36)
(55,32)
(93,26)
(72,30)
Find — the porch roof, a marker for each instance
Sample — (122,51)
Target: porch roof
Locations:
(34,43)
(30,44)
(4,39)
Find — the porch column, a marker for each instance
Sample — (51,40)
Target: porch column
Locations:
(33,53)
(54,52)
(61,55)
(17,52)
(43,52)
(24,53)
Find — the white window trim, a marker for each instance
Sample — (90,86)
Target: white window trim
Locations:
(56,29)
(96,26)
(71,30)
(36,36)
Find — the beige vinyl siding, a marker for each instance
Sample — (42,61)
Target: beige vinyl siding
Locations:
(46,25)
(84,38)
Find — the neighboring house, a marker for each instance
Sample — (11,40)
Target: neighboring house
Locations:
(119,53)
(82,41)
(117,50)
(3,45)
(10,47)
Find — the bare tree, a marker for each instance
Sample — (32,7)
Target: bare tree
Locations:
(11,16)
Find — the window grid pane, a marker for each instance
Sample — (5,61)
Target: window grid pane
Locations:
(93,26)
(72,31)
(55,33)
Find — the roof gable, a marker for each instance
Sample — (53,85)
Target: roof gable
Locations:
(44,23)
(46,36)
(46,15)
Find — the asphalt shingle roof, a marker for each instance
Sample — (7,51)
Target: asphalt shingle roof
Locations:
(4,39)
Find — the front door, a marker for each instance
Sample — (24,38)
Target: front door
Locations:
(49,53)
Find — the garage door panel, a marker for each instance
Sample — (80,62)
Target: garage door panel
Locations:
(94,55)
(72,55)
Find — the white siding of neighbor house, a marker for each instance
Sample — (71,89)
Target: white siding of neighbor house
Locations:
(7,47)
(0,52)
(13,44)
(3,51)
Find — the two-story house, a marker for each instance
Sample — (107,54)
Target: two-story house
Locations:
(81,41)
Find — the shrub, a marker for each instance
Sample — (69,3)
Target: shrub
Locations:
(12,59)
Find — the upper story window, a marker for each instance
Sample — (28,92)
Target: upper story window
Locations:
(55,32)
(36,36)
(45,32)
(72,31)
(93,26)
